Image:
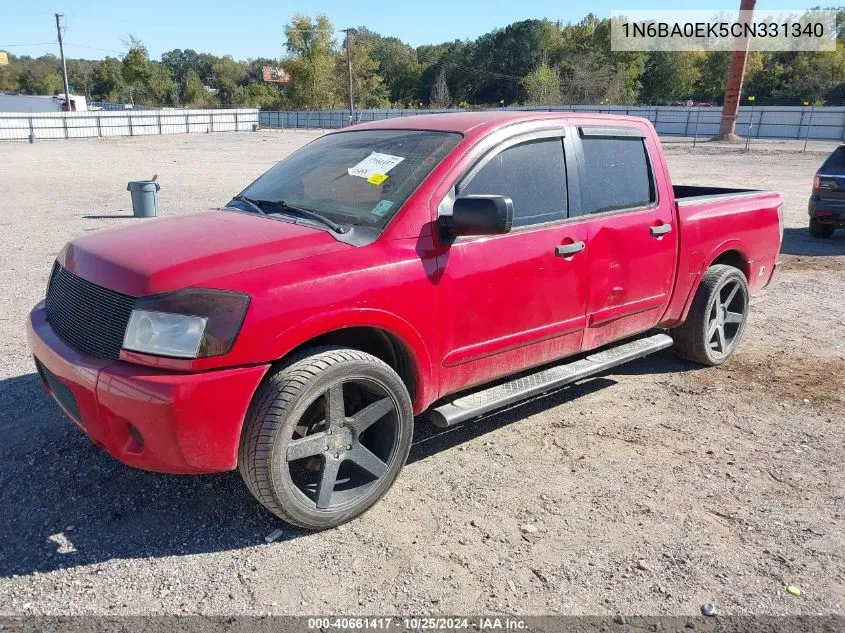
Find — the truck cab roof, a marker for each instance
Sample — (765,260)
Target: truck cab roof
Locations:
(484,121)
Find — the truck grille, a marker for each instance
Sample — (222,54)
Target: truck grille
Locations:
(89,317)
(61,392)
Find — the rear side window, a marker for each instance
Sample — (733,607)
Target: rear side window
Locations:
(835,163)
(532,174)
(617,174)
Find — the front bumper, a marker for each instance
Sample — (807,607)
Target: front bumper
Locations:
(145,417)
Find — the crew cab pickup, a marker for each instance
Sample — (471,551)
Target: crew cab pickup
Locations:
(450,263)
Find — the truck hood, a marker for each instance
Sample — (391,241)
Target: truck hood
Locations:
(167,254)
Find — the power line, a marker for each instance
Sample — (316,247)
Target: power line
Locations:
(94,48)
(476,71)
(33,44)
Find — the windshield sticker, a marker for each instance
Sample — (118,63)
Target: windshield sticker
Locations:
(377,179)
(382,208)
(375,163)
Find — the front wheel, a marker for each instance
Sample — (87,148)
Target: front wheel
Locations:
(717,317)
(325,437)
(817,229)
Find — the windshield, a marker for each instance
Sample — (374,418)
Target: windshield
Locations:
(356,177)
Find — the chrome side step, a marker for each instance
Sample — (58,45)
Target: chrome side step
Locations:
(480,402)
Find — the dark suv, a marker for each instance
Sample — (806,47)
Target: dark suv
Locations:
(827,204)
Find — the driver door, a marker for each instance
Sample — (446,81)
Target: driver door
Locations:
(513,301)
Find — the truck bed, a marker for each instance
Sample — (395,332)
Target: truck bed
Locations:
(691,194)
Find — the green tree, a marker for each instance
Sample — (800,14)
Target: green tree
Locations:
(542,86)
(137,71)
(9,74)
(192,92)
(108,84)
(41,76)
(311,62)
(160,88)
(228,77)
(504,56)
(367,88)
(180,62)
(671,76)
(397,63)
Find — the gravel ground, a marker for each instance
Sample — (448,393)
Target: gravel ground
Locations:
(653,489)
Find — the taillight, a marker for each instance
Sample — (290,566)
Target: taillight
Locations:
(816,182)
(780,219)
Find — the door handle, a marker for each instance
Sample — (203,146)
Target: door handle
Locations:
(567,250)
(657,231)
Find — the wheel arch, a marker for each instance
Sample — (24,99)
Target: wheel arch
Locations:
(731,253)
(385,336)
(731,257)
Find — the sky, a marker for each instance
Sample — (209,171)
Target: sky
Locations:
(253,28)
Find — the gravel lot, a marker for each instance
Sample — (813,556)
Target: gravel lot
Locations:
(653,489)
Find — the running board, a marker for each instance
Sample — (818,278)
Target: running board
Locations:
(475,404)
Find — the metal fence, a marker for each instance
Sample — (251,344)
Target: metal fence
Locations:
(775,122)
(97,123)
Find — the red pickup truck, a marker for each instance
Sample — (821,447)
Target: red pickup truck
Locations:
(446,263)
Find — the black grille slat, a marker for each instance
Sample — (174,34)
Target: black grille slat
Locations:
(87,316)
(61,392)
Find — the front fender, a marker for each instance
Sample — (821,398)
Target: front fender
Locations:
(299,334)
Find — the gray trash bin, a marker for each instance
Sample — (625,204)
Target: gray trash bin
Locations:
(144,198)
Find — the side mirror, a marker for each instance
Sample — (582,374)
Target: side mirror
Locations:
(479,215)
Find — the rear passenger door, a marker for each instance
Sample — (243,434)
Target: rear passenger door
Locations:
(632,235)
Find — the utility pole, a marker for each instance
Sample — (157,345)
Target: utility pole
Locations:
(64,63)
(733,86)
(349,34)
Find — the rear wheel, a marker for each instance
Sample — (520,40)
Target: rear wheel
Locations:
(326,437)
(817,229)
(717,317)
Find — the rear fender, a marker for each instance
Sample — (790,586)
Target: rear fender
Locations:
(698,265)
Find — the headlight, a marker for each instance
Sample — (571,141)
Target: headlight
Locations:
(186,324)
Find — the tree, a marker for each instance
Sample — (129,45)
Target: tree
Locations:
(542,86)
(397,63)
(367,88)
(180,62)
(455,60)
(440,96)
(311,62)
(41,76)
(81,75)
(192,91)
(228,77)
(9,74)
(108,84)
(506,55)
(160,88)
(137,70)
(671,76)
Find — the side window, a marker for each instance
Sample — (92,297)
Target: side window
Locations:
(617,174)
(532,174)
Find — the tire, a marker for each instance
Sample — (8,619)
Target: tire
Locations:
(698,339)
(326,436)
(817,229)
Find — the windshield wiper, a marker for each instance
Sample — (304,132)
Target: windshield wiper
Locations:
(252,204)
(255,205)
(308,213)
